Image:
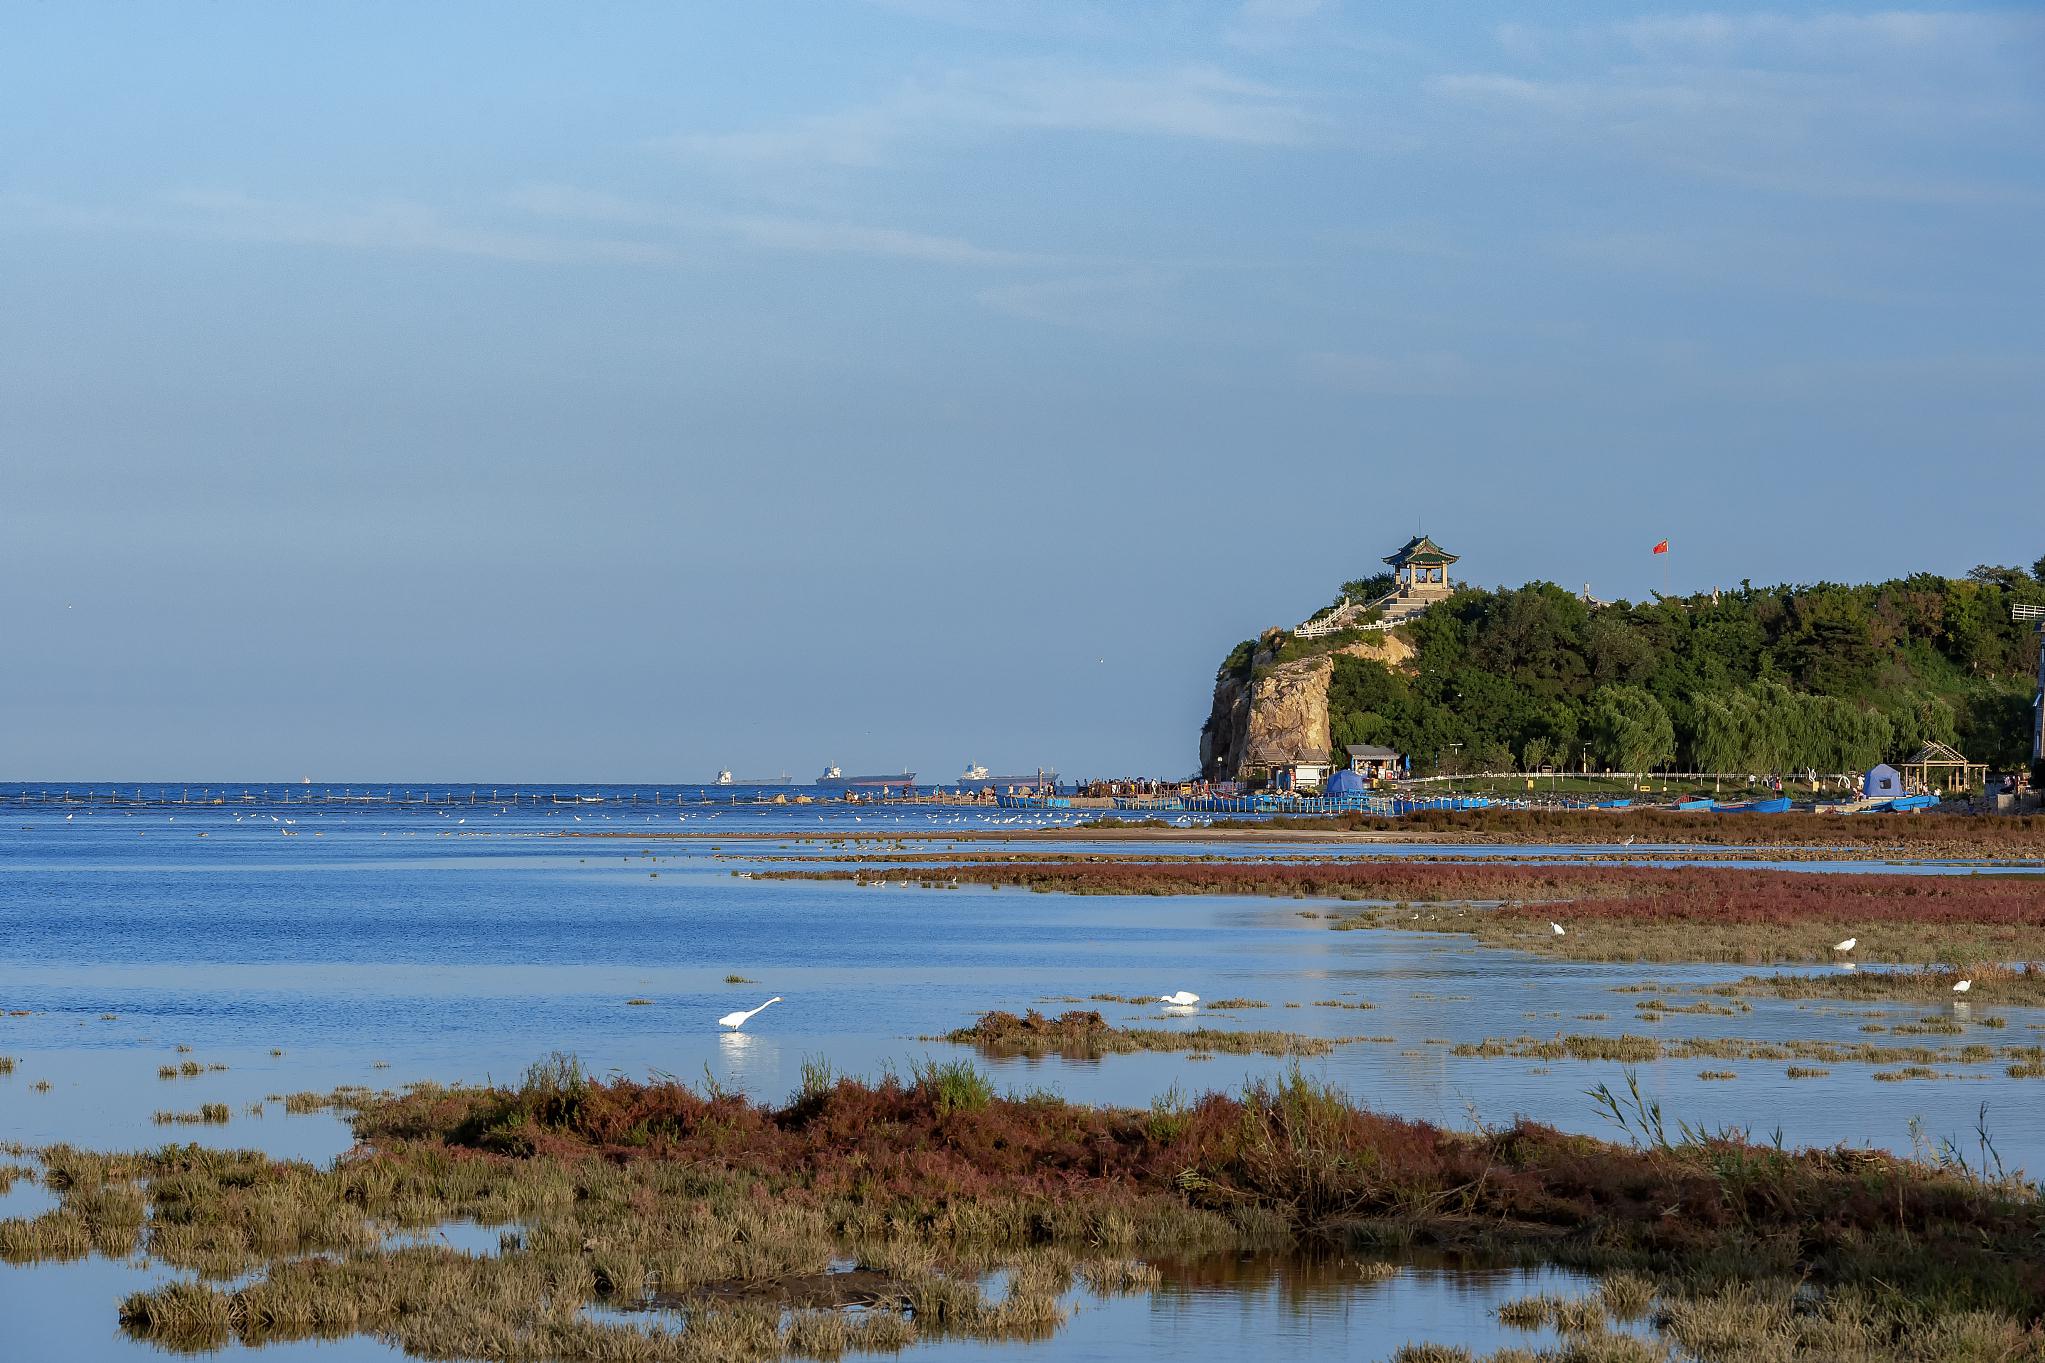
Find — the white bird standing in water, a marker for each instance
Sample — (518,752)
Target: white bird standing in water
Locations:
(1847,945)
(1557,928)
(1182,999)
(739,1019)
(1963,986)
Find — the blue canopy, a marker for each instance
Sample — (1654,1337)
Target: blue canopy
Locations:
(1881,783)
(1345,782)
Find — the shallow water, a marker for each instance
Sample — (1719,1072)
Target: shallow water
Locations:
(380,947)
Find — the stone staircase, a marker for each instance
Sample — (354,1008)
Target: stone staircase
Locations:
(1395,610)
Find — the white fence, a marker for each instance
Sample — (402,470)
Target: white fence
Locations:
(1339,619)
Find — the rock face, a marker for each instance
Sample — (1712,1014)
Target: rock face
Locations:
(1278,712)
(1280,715)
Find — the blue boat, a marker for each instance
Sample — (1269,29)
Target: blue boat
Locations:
(1614,804)
(1904,804)
(1778,805)
(1695,805)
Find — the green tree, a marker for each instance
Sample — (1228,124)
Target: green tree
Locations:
(1365,590)
(1739,677)
(1724,735)
(1629,729)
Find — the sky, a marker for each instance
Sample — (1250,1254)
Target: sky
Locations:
(619,392)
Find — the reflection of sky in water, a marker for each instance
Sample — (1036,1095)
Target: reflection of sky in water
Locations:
(466,958)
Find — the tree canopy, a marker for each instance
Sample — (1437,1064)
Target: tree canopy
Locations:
(1826,676)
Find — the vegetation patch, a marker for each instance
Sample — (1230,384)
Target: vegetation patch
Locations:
(1991,982)
(1082,1034)
(729,1215)
(1994,837)
(211,1114)
(1608,913)
(1633,1049)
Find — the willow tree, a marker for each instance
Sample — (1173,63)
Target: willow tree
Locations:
(1629,729)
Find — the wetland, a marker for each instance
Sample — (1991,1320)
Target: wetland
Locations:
(972,1127)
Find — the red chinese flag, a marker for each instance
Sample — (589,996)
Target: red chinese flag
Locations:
(1662,548)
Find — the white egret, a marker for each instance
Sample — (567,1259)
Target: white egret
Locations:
(1557,929)
(739,1019)
(1182,999)
(1963,986)
(1847,945)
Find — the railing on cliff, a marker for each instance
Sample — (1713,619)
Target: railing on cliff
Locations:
(1348,615)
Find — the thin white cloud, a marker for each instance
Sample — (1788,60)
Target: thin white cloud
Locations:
(852,138)
(1860,107)
(402,225)
(837,238)
(392,225)
(1134,304)
(770,231)
(1196,102)
(1436,374)
(1777,37)
(1828,36)
(1203,103)
(1265,24)
(395,225)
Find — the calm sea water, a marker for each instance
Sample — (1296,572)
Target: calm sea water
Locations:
(383,945)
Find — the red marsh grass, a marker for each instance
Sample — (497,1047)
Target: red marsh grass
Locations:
(1291,1150)
(1612,913)
(1942,837)
(625,1190)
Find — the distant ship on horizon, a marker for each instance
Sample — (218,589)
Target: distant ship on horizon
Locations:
(725,778)
(976,777)
(834,777)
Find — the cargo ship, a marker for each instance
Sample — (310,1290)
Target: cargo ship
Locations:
(834,777)
(725,778)
(979,778)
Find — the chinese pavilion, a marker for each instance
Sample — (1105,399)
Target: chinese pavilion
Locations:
(1421,567)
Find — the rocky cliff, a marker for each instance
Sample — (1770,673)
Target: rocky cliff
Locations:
(1273,710)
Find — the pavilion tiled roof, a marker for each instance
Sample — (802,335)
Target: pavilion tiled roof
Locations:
(1420,549)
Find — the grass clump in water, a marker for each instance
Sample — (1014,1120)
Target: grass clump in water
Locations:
(211,1114)
(1085,1034)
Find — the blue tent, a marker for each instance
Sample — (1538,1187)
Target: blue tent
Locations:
(1881,783)
(1345,782)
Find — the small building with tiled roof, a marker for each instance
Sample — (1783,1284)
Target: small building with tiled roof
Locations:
(1421,567)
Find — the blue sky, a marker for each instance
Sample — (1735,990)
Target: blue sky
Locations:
(616,392)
